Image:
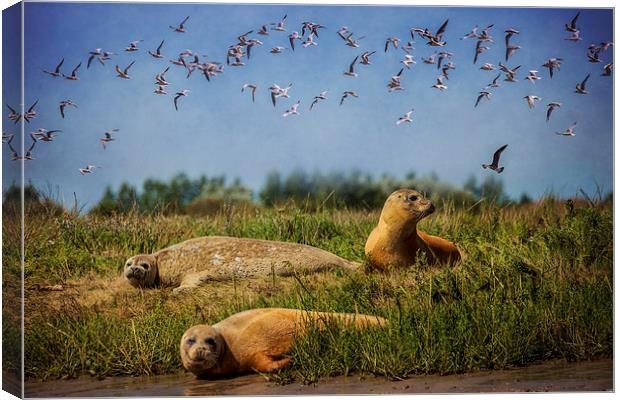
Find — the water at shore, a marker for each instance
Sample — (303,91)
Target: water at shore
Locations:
(551,376)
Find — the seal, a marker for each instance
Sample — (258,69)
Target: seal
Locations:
(188,264)
(396,240)
(256,340)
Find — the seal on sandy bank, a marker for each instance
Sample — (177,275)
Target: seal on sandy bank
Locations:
(255,340)
(396,240)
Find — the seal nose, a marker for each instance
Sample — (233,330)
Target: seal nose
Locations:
(431,208)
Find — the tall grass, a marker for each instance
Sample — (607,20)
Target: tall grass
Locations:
(534,284)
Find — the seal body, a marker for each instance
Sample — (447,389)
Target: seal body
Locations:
(396,240)
(218,258)
(255,340)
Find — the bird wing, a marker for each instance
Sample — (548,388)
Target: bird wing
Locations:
(118,70)
(353,64)
(11,108)
(478,99)
(273,98)
(175,103)
(62,110)
(184,21)
(387,44)
(32,106)
(75,69)
(573,23)
(159,47)
(497,154)
(583,84)
(129,66)
(292,42)
(59,64)
(441,29)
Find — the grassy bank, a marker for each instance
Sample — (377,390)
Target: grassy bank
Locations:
(536,283)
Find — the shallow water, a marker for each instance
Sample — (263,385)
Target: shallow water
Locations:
(555,376)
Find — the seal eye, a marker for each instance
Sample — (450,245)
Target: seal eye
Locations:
(191,341)
(413,197)
(210,342)
(144,265)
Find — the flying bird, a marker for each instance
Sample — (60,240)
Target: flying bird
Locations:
(157,52)
(56,72)
(181,27)
(581,87)
(405,118)
(393,41)
(31,113)
(510,50)
(572,27)
(25,157)
(252,87)
(13,115)
(347,94)
(552,106)
(321,96)
(279,26)
(65,103)
(493,84)
(551,64)
(366,57)
(531,99)
(351,71)
(439,84)
(483,94)
(495,163)
(180,94)
(570,131)
(292,110)
(73,76)
(88,169)
(133,46)
(124,73)
(277,91)
(532,77)
(509,33)
(607,69)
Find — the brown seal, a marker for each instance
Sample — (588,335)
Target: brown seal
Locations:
(217,258)
(396,240)
(255,340)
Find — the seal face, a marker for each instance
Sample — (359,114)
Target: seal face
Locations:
(142,271)
(201,347)
(396,240)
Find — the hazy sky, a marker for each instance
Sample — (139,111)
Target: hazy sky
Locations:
(218,130)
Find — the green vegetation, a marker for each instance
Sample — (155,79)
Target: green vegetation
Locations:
(535,284)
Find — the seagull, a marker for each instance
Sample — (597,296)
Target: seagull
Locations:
(482,94)
(160,79)
(312,27)
(309,41)
(133,46)
(65,103)
(351,71)
(56,72)
(405,118)
(44,135)
(494,84)
(13,115)
(292,110)
(488,67)
(104,56)
(606,45)
(277,91)
(485,35)
(180,28)
(160,90)
(277,49)
(408,60)
(552,106)
(251,86)
(347,94)
(7,137)
(430,59)
(510,50)
(581,87)
(280,25)
(479,50)
(573,24)
(495,164)
(182,93)
(472,34)
(124,74)
(509,33)
(408,48)
(439,85)
(352,42)
(436,39)
(442,56)
(106,139)
(73,76)
(157,53)
(510,73)
(263,31)
(88,169)
(393,40)
(251,43)
(321,96)
(31,113)
(574,37)
(343,31)
(95,53)
(446,68)
(569,131)
(593,57)
(292,37)
(607,69)
(532,77)
(394,83)
(366,57)
(551,64)
(27,156)
(531,99)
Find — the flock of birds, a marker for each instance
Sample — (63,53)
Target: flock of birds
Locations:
(239,53)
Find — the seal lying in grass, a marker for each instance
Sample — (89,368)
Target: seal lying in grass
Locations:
(255,340)
(396,240)
(217,258)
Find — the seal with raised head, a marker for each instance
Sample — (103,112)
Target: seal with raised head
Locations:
(218,258)
(396,240)
(256,340)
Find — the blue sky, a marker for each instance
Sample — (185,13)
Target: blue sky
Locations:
(218,130)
